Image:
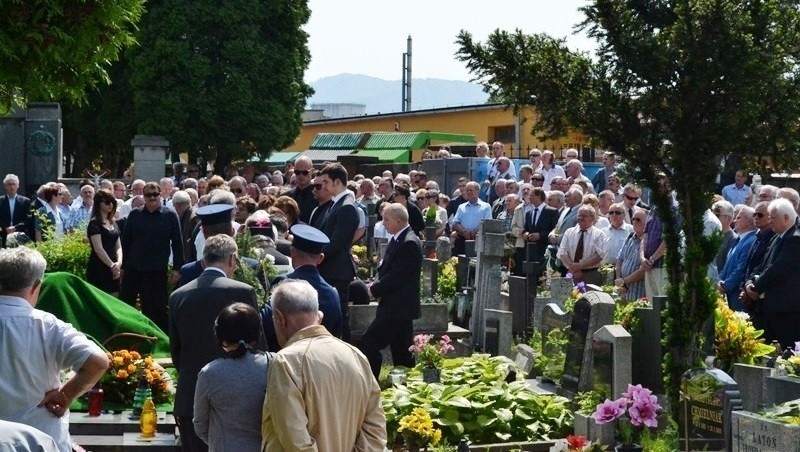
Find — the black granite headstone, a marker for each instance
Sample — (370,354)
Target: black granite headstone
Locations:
(703,393)
(578,330)
(603,363)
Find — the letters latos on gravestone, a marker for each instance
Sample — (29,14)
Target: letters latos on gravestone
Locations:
(592,311)
(703,415)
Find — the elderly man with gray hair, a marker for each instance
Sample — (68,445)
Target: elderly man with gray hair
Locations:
(35,347)
(321,394)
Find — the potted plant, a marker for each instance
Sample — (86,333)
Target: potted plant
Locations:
(417,430)
(736,340)
(429,354)
(639,406)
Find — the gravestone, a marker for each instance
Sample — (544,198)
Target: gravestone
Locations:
(498,339)
(518,305)
(149,154)
(491,248)
(525,357)
(647,350)
(752,382)
(781,389)
(560,290)
(444,250)
(612,360)
(705,421)
(553,318)
(463,273)
(30,139)
(381,243)
(592,311)
(470,248)
(430,276)
(753,433)
(538,310)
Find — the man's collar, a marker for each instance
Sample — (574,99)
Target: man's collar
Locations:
(215,269)
(307,332)
(341,195)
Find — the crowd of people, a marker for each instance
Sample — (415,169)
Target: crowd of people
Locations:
(181,229)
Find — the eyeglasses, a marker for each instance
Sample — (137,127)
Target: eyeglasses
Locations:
(151,195)
(537,179)
(302,172)
(317,186)
(759,215)
(632,198)
(536,156)
(615,212)
(637,219)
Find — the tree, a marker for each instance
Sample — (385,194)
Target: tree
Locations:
(222,80)
(53,50)
(676,86)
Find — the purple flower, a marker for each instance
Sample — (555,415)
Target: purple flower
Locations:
(610,411)
(568,276)
(643,411)
(635,392)
(581,286)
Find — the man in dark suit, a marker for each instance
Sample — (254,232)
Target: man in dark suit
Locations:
(306,255)
(775,287)
(539,222)
(193,310)
(339,222)
(302,192)
(397,290)
(15,210)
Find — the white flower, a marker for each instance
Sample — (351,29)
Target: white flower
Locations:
(269,258)
(741,315)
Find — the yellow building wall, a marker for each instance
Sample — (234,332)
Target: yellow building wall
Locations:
(485,122)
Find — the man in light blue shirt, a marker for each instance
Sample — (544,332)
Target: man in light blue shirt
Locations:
(468,217)
(737,192)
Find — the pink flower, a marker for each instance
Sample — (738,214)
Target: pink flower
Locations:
(577,442)
(610,411)
(636,392)
(644,410)
(444,345)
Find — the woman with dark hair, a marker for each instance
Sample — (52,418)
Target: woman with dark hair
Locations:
(52,194)
(105,261)
(229,396)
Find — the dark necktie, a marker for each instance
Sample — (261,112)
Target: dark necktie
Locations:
(630,214)
(579,248)
(535,216)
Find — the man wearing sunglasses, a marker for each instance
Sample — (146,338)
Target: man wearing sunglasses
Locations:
(149,234)
(303,191)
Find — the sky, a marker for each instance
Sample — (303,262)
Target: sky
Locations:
(369,36)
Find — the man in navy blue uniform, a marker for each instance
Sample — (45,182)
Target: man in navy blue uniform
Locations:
(307,254)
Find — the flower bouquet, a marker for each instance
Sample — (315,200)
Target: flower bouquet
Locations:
(417,429)
(639,405)
(429,353)
(736,340)
(120,380)
(789,363)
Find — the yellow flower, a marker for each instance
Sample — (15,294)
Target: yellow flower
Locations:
(118,361)
(131,368)
(122,374)
(136,355)
(148,361)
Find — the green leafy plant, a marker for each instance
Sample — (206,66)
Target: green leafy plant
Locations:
(475,402)
(69,254)
(446,281)
(587,401)
(626,315)
(787,412)
(736,340)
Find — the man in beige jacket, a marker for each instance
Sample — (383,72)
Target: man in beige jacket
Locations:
(321,395)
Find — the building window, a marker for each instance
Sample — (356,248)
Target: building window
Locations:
(503,134)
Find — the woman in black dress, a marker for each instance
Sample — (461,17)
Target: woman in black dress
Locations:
(106,259)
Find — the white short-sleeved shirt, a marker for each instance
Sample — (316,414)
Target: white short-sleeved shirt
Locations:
(34,348)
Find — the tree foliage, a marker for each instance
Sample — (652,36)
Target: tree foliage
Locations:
(675,87)
(222,80)
(55,50)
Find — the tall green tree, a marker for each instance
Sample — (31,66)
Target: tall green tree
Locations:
(222,80)
(675,87)
(52,50)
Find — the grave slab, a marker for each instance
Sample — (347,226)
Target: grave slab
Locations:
(752,433)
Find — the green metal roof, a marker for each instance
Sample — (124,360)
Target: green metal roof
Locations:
(325,155)
(338,140)
(413,140)
(276,157)
(386,155)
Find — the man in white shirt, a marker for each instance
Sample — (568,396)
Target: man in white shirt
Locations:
(137,188)
(616,232)
(581,248)
(35,347)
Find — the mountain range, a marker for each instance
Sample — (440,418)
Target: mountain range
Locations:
(385,96)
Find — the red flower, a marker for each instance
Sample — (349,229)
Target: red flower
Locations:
(576,442)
